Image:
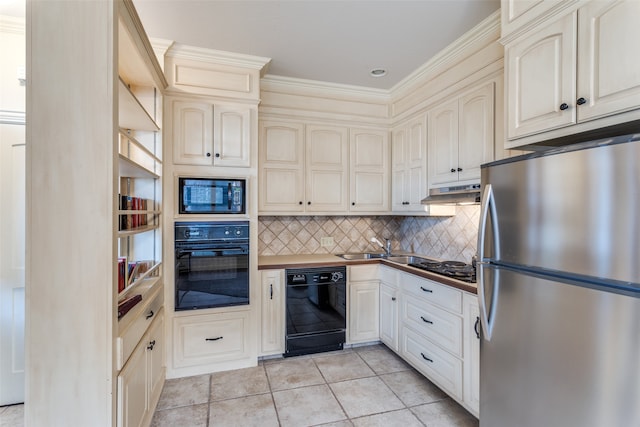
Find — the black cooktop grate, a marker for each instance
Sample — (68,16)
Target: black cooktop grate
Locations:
(454,269)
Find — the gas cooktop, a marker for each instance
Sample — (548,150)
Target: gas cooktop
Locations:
(454,269)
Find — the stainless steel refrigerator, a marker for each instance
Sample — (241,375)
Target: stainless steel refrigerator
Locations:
(559,287)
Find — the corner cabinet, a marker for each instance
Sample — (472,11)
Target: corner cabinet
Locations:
(572,72)
(208,134)
(461,137)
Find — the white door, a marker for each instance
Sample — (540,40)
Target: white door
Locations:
(12,259)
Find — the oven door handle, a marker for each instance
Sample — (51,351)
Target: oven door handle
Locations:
(216,251)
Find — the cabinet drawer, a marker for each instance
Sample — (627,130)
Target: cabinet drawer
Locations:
(435,293)
(205,339)
(362,273)
(441,367)
(438,325)
(129,337)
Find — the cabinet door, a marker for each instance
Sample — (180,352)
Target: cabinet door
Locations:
(364,311)
(272,325)
(369,170)
(399,173)
(416,163)
(192,133)
(541,79)
(608,77)
(232,137)
(443,144)
(476,132)
(132,390)
(155,359)
(516,13)
(471,390)
(326,168)
(281,167)
(389,315)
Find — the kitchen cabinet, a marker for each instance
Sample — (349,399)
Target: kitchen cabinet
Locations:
(207,134)
(211,342)
(318,169)
(409,165)
(141,380)
(516,14)
(471,333)
(363,314)
(571,70)
(461,137)
(272,330)
(389,304)
(369,161)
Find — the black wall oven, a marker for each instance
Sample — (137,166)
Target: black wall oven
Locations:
(211,264)
(316,310)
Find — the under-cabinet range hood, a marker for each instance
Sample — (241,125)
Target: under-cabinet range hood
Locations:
(456,195)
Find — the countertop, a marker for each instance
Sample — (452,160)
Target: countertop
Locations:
(270,262)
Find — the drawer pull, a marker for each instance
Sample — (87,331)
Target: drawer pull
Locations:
(151,345)
(271,291)
(393,298)
(426,321)
(213,339)
(426,358)
(150,315)
(475,327)
(426,290)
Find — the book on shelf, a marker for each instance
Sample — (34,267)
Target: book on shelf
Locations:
(129,220)
(122,273)
(125,305)
(137,269)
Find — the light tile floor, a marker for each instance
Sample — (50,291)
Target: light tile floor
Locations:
(364,386)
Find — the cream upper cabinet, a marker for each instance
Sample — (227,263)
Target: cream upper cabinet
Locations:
(281,160)
(461,137)
(541,79)
(192,132)
(205,134)
(517,13)
(369,170)
(409,165)
(327,163)
(566,74)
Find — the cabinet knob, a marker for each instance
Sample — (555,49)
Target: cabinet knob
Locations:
(308,203)
(151,345)
(459,169)
(564,106)
(581,101)
(208,154)
(393,298)
(217,155)
(300,202)
(353,203)
(453,170)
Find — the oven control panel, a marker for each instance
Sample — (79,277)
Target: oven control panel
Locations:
(208,231)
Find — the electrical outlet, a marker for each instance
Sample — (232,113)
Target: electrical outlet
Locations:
(326,241)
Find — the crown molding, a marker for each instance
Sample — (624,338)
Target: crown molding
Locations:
(12,117)
(322,89)
(178,50)
(486,31)
(12,24)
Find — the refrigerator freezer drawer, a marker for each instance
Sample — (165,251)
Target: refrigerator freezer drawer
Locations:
(435,293)
(441,367)
(434,323)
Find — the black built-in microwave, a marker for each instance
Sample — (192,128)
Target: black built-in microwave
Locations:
(211,196)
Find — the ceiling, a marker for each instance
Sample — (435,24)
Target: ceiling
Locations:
(335,41)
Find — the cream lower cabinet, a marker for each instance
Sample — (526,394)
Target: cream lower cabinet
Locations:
(471,345)
(363,315)
(272,330)
(212,342)
(389,304)
(140,381)
(570,70)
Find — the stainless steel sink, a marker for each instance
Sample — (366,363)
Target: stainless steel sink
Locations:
(366,255)
(406,259)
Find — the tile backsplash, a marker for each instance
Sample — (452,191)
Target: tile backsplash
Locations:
(452,238)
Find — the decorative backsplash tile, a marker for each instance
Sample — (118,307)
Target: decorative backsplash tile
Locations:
(452,238)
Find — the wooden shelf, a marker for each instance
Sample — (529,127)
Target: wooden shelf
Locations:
(138,230)
(129,168)
(132,114)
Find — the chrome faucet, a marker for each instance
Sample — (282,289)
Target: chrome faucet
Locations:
(386,245)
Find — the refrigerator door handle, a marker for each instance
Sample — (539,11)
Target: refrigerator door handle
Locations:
(487,212)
